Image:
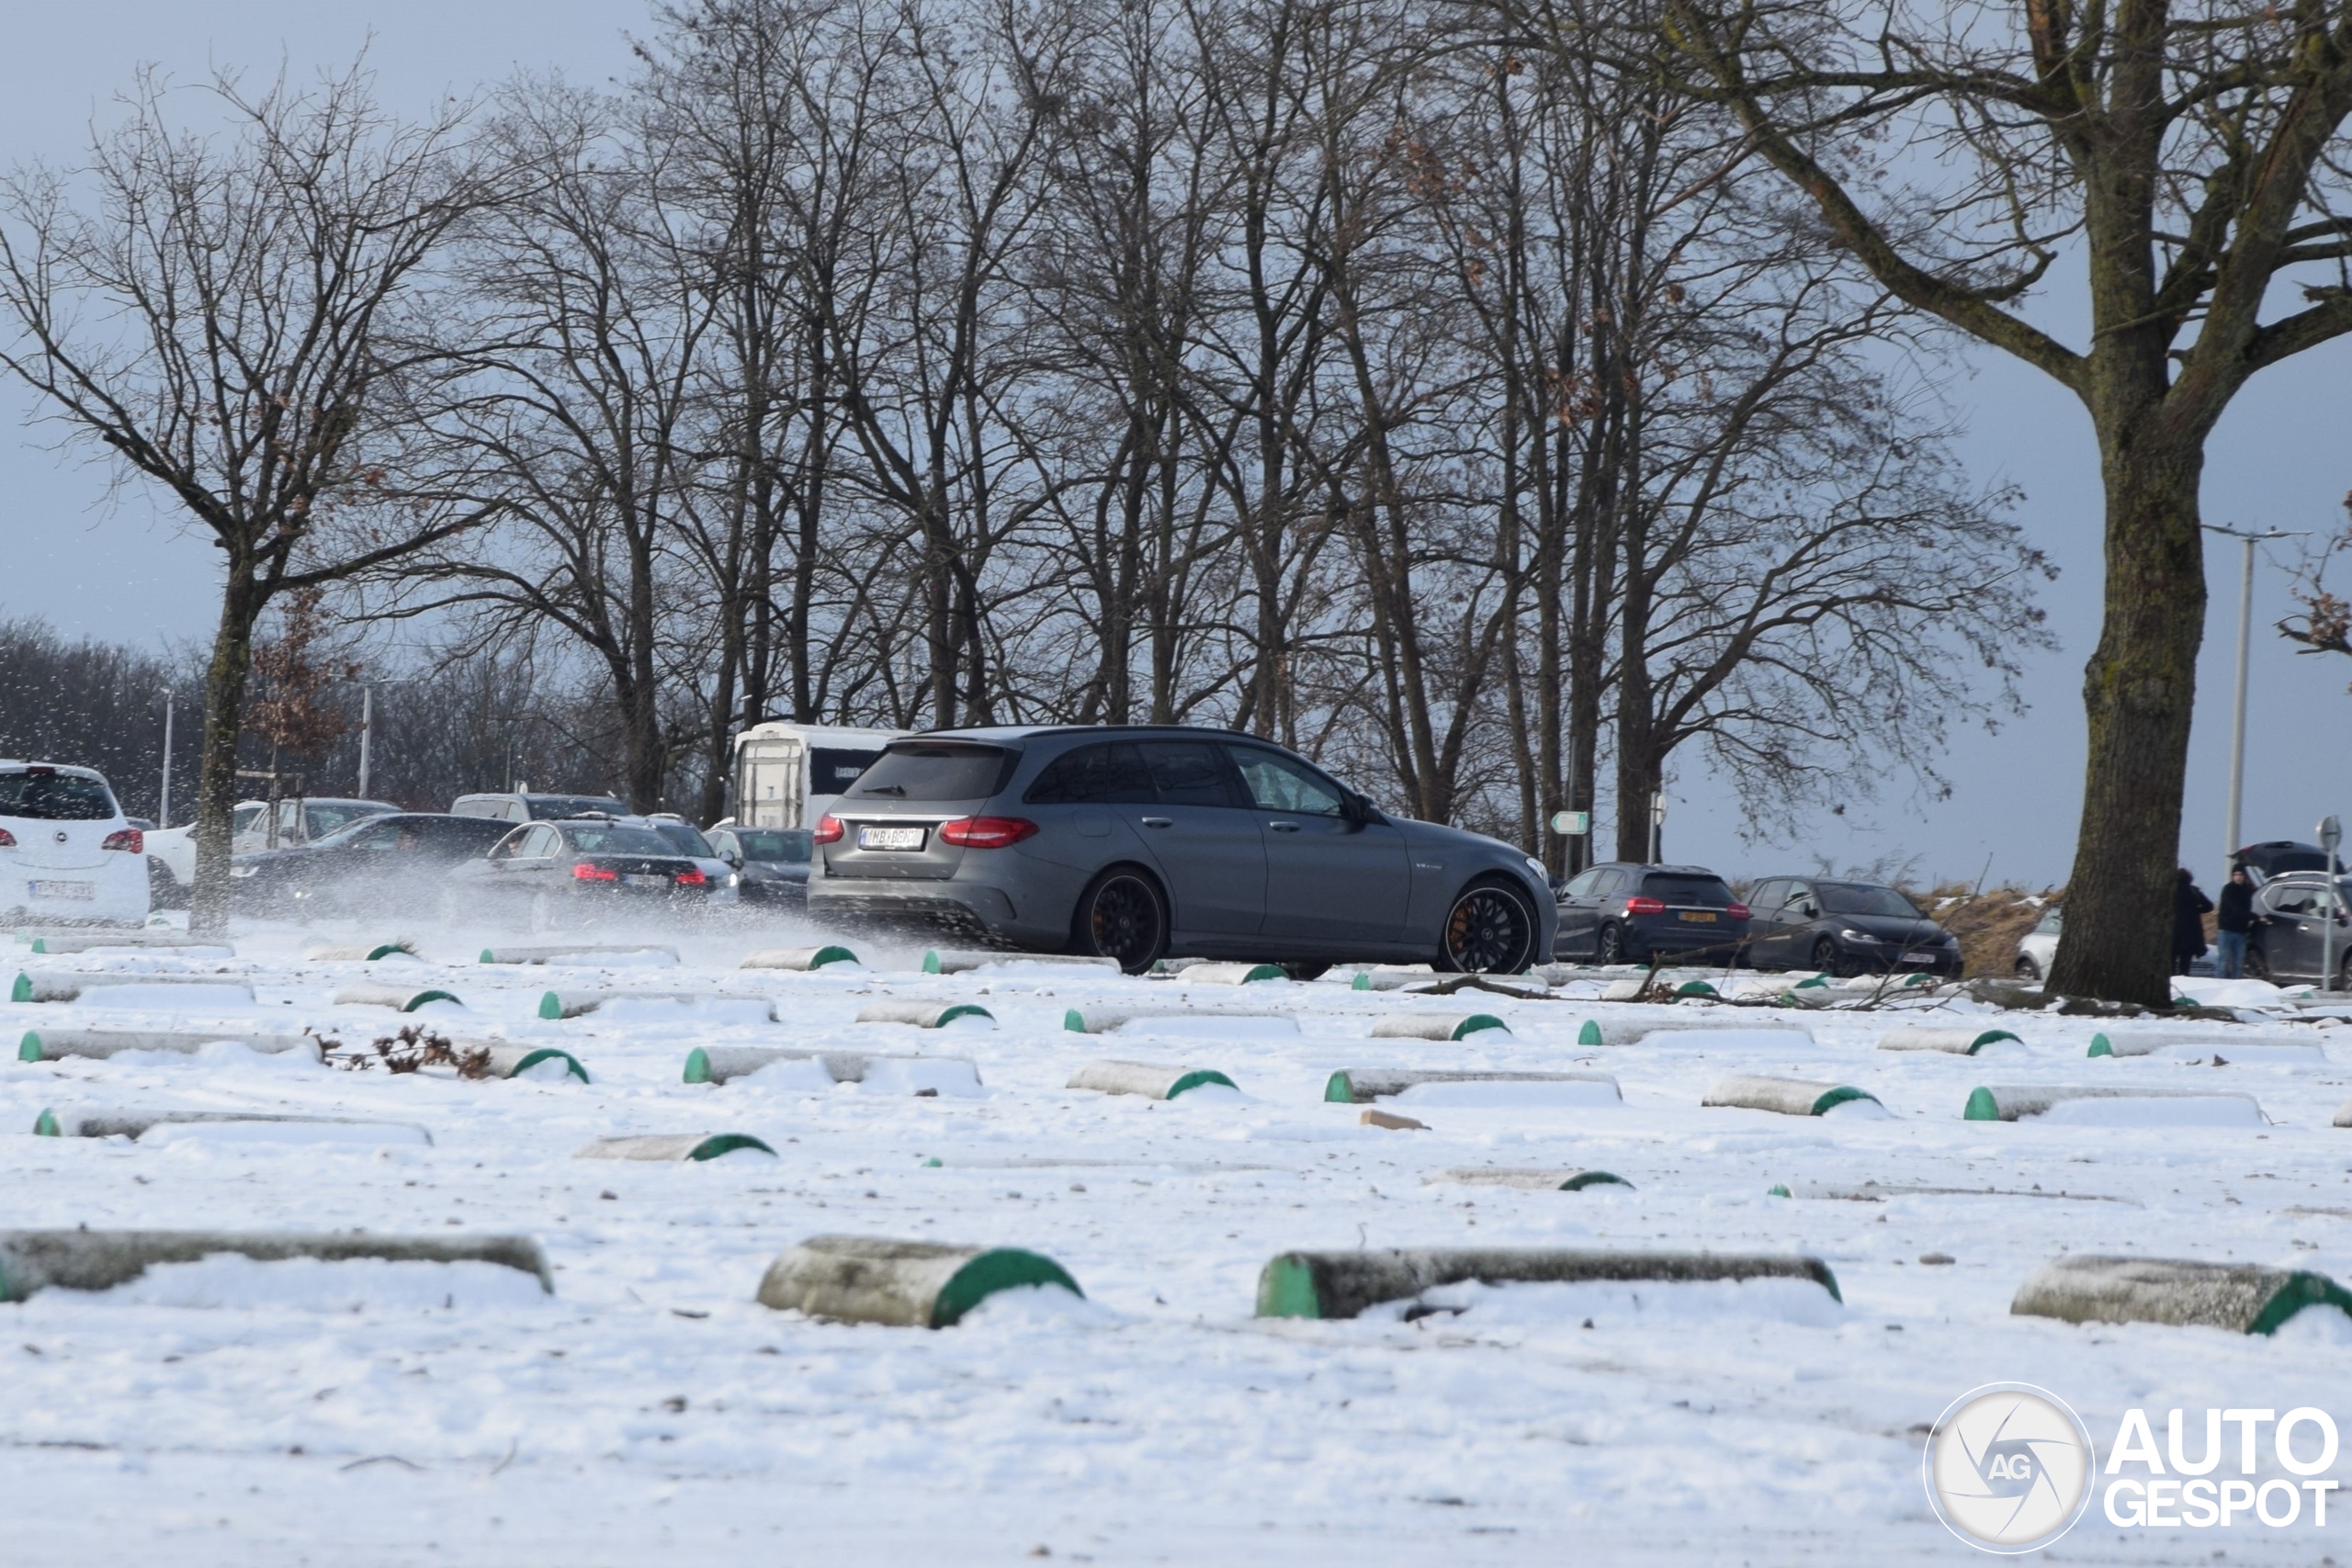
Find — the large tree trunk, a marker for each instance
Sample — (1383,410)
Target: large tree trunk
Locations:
(242,600)
(2138,693)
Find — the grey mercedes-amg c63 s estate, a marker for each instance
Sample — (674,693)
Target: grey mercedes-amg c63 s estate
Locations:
(1136,844)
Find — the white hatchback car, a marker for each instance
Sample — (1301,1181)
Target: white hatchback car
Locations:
(67,852)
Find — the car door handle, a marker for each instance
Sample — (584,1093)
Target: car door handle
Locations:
(1283,827)
(1159,822)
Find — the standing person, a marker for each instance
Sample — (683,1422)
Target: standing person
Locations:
(2188,906)
(2234,917)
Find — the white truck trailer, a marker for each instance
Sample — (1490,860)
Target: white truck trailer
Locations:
(788,776)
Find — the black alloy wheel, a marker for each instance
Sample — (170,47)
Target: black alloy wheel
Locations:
(1826,958)
(1122,915)
(1489,931)
(1609,947)
(2257,963)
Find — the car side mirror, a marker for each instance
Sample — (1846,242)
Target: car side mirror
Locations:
(732,858)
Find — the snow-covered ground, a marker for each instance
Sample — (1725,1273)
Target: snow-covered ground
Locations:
(230,1413)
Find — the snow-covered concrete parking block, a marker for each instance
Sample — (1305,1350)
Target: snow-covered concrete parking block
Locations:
(279,1412)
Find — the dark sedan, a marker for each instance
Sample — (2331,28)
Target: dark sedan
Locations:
(387,864)
(565,874)
(2290,941)
(1845,928)
(771,863)
(1624,913)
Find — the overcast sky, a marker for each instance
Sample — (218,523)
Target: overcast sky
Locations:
(117,569)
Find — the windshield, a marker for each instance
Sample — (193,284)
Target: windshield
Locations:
(554,808)
(1861,898)
(833,769)
(246,817)
(594,838)
(1707,892)
(788,845)
(46,796)
(683,838)
(322,817)
(934,770)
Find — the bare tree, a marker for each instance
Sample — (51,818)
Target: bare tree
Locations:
(2186,155)
(229,317)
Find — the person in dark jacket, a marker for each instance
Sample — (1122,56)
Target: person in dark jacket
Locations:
(2234,917)
(2188,906)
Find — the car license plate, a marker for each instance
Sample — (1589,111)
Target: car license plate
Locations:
(1918,958)
(890,837)
(1700,917)
(645,879)
(63,889)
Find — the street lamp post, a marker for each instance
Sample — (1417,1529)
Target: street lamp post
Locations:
(163,811)
(2246,634)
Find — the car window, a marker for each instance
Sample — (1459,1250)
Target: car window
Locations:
(1189,772)
(683,837)
(373,836)
(40,795)
(2296,899)
(831,770)
(1863,898)
(1681,887)
(1275,782)
(1111,774)
(935,770)
(1766,896)
(597,838)
(2049,923)
(244,817)
(1585,882)
(1609,879)
(787,845)
(510,847)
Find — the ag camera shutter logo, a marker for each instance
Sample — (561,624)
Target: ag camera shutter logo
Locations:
(2009,1467)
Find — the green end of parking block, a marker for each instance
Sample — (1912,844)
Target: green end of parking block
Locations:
(387,951)
(1817,982)
(1265,971)
(929,962)
(1286,1289)
(1199,1077)
(1074,1021)
(549,1054)
(1990,1036)
(933,1163)
(964,1009)
(825,955)
(1981,1107)
(727,1143)
(22,992)
(2301,1290)
(1590,1033)
(1694,989)
(1339,1091)
(1363,981)
(1778,1190)
(28,1048)
(999,1269)
(1479,1021)
(44,1126)
(697,1065)
(2100,1046)
(1839,1096)
(422,997)
(41,945)
(485,957)
(550,1006)
(1584,1179)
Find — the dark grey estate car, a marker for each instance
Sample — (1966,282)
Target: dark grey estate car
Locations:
(1137,842)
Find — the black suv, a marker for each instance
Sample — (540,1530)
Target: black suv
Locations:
(1624,913)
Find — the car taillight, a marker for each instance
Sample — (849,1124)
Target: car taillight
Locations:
(986,832)
(1645,906)
(1737,911)
(691,877)
(130,840)
(7,839)
(829,831)
(583,872)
